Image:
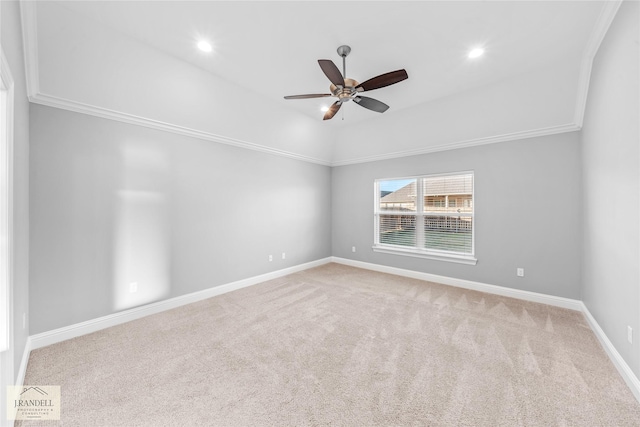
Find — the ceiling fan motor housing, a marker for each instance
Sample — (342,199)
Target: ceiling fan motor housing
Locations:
(346,89)
(346,93)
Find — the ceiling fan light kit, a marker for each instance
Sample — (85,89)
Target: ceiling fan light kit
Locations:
(346,89)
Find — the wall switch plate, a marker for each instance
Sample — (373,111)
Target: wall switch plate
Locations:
(353,248)
(520,272)
(630,334)
(133,287)
(270,258)
(284,255)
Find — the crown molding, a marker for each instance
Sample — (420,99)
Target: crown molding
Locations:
(29,20)
(603,22)
(30,43)
(92,110)
(607,14)
(569,127)
(28,14)
(78,107)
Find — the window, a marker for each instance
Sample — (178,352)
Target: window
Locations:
(429,216)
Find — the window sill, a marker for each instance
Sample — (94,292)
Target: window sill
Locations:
(416,253)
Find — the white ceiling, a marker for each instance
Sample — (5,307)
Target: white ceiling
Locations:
(271,48)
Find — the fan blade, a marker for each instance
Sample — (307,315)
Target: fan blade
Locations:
(331,71)
(332,110)
(383,80)
(311,95)
(371,104)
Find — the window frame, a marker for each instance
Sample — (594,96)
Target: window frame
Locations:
(420,214)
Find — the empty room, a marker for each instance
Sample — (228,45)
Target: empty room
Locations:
(310,213)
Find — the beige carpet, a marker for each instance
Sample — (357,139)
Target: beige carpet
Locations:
(340,346)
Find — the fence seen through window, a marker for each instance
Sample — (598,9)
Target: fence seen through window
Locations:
(427,213)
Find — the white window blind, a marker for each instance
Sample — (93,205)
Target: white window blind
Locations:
(430,216)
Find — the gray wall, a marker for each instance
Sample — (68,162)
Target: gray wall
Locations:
(12,47)
(610,139)
(527,212)
(114,203)
(213,213)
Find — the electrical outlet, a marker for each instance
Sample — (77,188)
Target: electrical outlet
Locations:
(284,255)
(270,258)
(520,272)
(630,334)
(133,287)
(353,248)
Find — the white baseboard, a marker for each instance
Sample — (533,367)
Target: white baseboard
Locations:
(72,331)
(58,335)
(623,368)
(20,379)
(24,362)
(569,303)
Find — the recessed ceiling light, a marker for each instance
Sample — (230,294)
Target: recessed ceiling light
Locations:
(324,109)
(204,46)
(476,52)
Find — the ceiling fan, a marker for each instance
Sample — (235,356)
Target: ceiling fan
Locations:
(346,89)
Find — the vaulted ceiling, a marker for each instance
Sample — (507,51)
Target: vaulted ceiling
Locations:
(137,62)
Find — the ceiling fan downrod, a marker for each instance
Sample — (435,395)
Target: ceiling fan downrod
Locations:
(344,51)
(346,89)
